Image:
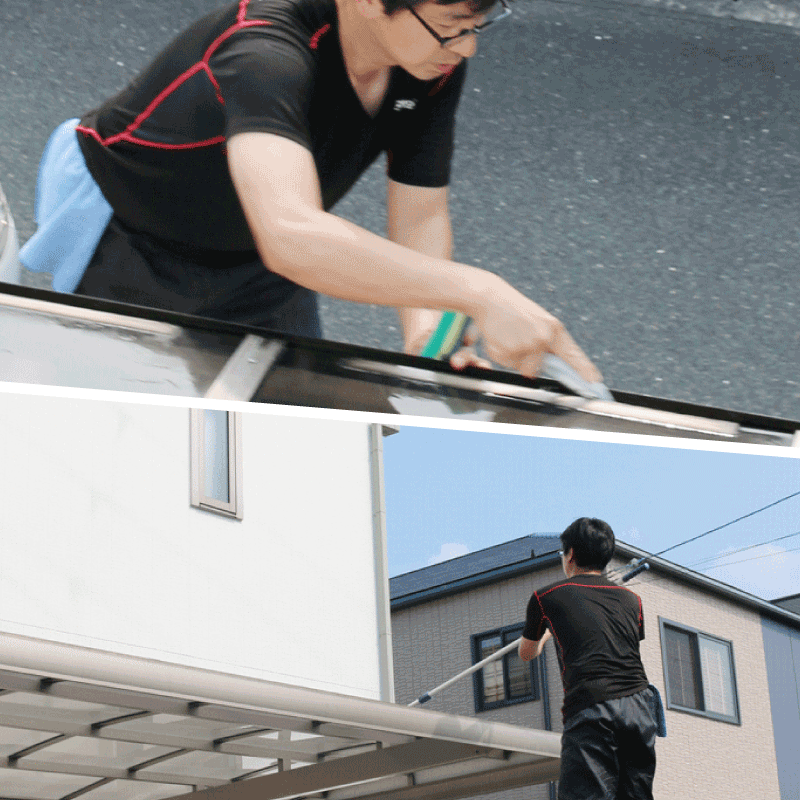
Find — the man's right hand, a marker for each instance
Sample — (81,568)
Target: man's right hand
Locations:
(277,183)
(518,333)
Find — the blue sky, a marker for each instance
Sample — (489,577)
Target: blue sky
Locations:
(450,492)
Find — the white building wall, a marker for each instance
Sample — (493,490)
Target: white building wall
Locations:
(100,546)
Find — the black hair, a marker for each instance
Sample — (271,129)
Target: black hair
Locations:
(591,541)
(477,6)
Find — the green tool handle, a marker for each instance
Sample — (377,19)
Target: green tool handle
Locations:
(447,337)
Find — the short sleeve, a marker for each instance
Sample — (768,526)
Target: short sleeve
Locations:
(421,150)
(534,619)
(265,80)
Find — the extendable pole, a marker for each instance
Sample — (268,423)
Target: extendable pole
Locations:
(474,668)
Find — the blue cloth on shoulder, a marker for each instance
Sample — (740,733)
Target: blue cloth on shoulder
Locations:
(70,210)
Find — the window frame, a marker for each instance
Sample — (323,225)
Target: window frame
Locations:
(234,507)
(507,634)
(733,719)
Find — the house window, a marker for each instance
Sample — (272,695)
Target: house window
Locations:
(699,673)
(506,681)
(216,461)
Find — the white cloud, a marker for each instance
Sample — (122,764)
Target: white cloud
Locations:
(448,551)
(631,535)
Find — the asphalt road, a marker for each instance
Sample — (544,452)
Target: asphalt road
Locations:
(633,170)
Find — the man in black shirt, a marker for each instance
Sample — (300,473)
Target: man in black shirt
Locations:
(608,743)
(226,154)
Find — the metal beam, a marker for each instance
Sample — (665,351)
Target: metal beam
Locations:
(339,715)
(88,316)
(328,775)
(245,369)
(468,785)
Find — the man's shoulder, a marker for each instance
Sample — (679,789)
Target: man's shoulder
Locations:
(310,15)
(579,583)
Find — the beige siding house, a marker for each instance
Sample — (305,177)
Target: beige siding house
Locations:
(704,650)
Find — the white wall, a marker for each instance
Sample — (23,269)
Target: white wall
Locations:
(100,546)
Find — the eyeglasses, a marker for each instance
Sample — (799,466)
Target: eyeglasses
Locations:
(561,553)
(449,41)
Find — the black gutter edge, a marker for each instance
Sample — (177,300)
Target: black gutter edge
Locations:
(723,590)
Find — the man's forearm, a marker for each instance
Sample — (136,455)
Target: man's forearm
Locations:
(330,255)
(431,236)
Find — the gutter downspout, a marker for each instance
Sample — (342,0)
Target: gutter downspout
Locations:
(385,657)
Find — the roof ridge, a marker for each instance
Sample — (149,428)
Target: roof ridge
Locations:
(482,550)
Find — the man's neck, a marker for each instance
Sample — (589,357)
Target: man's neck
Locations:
(362,55)
(579,571)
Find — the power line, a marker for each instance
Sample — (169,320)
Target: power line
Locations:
(651,578)
(640,564)
(753,558)
(742,549)
(732,522)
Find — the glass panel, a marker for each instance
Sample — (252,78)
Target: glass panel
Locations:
(135,790)
(18,784)
(204,765)
(37,707)
(320,378)
(715,661)
(300,743)
(12,740)
(204,730)
(108,356)
(519,676)
(216,452)
(493,685)
(681,668)
(96,753)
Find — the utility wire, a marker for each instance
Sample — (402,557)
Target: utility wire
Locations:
(615,573)
(742,549)
(753,558)
(651,578)
(728,524)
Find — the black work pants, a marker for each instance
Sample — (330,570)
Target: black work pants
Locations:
(608,751)
(133,267)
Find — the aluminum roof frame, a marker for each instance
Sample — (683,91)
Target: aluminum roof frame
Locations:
(116,346)
(90,724)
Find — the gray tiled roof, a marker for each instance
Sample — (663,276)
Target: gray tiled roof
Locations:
(473,564)
(791,603)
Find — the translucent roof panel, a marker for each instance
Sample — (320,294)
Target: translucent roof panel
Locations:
(77,723)
(121,347)
(20,785)
(132,790)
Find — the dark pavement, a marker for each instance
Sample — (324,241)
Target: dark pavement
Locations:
(634,170)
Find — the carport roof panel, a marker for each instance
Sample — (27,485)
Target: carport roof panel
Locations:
(115,346)
(76,722)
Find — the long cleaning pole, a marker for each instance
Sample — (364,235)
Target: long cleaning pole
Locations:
(474,668)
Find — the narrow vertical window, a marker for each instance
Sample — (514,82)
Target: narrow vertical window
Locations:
(216,461)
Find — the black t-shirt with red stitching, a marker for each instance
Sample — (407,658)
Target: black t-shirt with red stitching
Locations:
(597,627)
(157,149)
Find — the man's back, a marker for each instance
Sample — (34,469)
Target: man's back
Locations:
(597,627)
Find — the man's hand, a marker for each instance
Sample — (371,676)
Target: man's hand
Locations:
(419,324)
(530,648)
(517,333)
(277,184)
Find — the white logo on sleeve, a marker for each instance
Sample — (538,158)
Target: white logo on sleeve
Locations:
(405,105)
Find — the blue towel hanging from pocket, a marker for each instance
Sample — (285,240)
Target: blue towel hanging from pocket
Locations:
(658,711)
(71,212)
